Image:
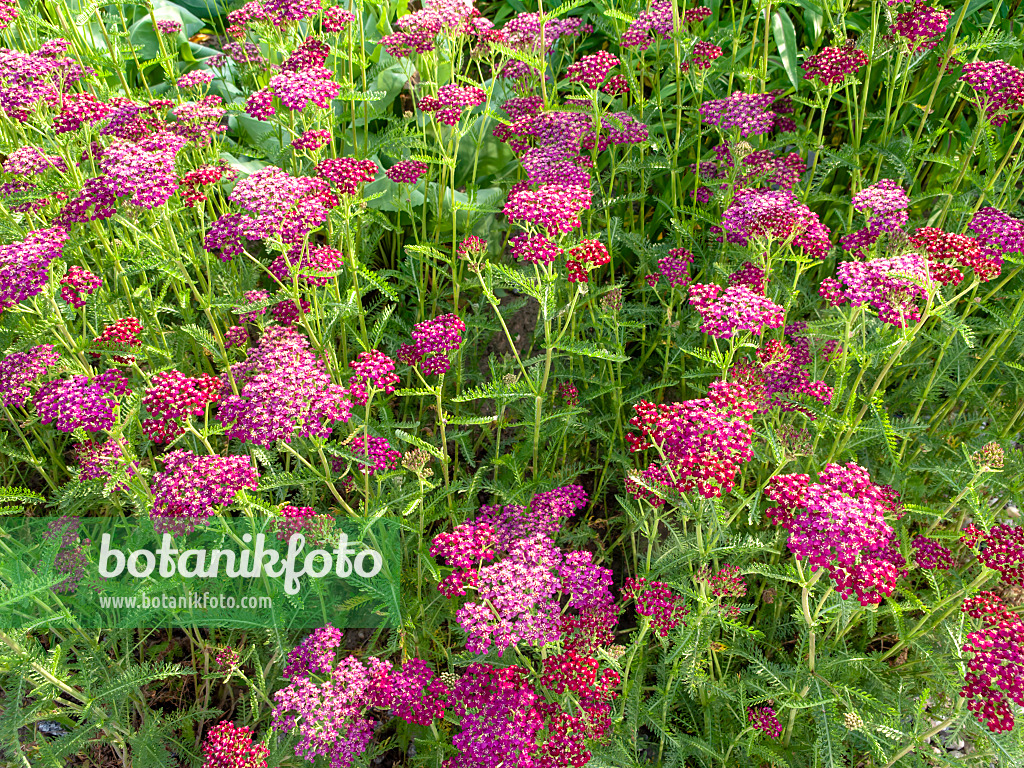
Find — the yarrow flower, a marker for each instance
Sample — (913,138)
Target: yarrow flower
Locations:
(592,70)
(24,266)
(168,26)
(432,341)
(172,398)
(197,78)
(100,460)
(778,369)
(371,369)
(380,456)
(230,746)
(702,442)
(736,308)
(347,173)
(995,674)
(657,21)
(921,25)
(764,719)
(311,140)
(658,602)
(406,171)
(999,86)
(1002,550)
(775,215)
(746,111)
(941,248)
(997,231)
(553,207)
(839,524)
(303,262)
(283,390)
(78,403)
(190,488)
(929,554)
(897,288)
(886,203)
(831,65)
(675,267)
(533,249)
(19,369)
(701,57)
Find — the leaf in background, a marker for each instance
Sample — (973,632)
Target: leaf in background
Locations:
(785,38)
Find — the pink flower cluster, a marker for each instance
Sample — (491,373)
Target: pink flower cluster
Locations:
(378,453)
(191,488)
(999,85)
(283,390)
(997,231)
(24,266)
(921,25)
(173,398)
(592,70)
(775,215)
(941,248)
(371,369)
(778,370)
(302,261)
(554,208)
(748,112)
(657,21)
(99,460)
(929,554)
(582,258)
(77,403)
(347,173)
(764,719)
(406,171)
(279,204)
(432,341)
(451,99)
(701,443)
(736,308)
(19,369)
(897,288)
(839,524)
(701,57)
(1002,550)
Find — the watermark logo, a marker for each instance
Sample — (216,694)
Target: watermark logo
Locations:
(239,572)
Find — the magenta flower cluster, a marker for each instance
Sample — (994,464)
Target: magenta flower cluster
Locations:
(227,745)
(432,341)
(78,403)
(897,288)
(20,369)
(763,214)
(283,390)
(839,524)
(831,65)
(191,488)
(736,308)
(24,266)
(700,443)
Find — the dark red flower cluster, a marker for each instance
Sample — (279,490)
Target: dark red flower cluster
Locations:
(831,65)
(700,443)
(173,398)
(229,746)
(1002,549)
(582,258)
(996,669)
(657,601)
(941,248)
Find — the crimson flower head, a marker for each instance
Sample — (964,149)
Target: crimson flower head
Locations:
(700,444)
(230,746)
(347,173)
(999,87)
(831,65)
(657,601)
(839,524)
